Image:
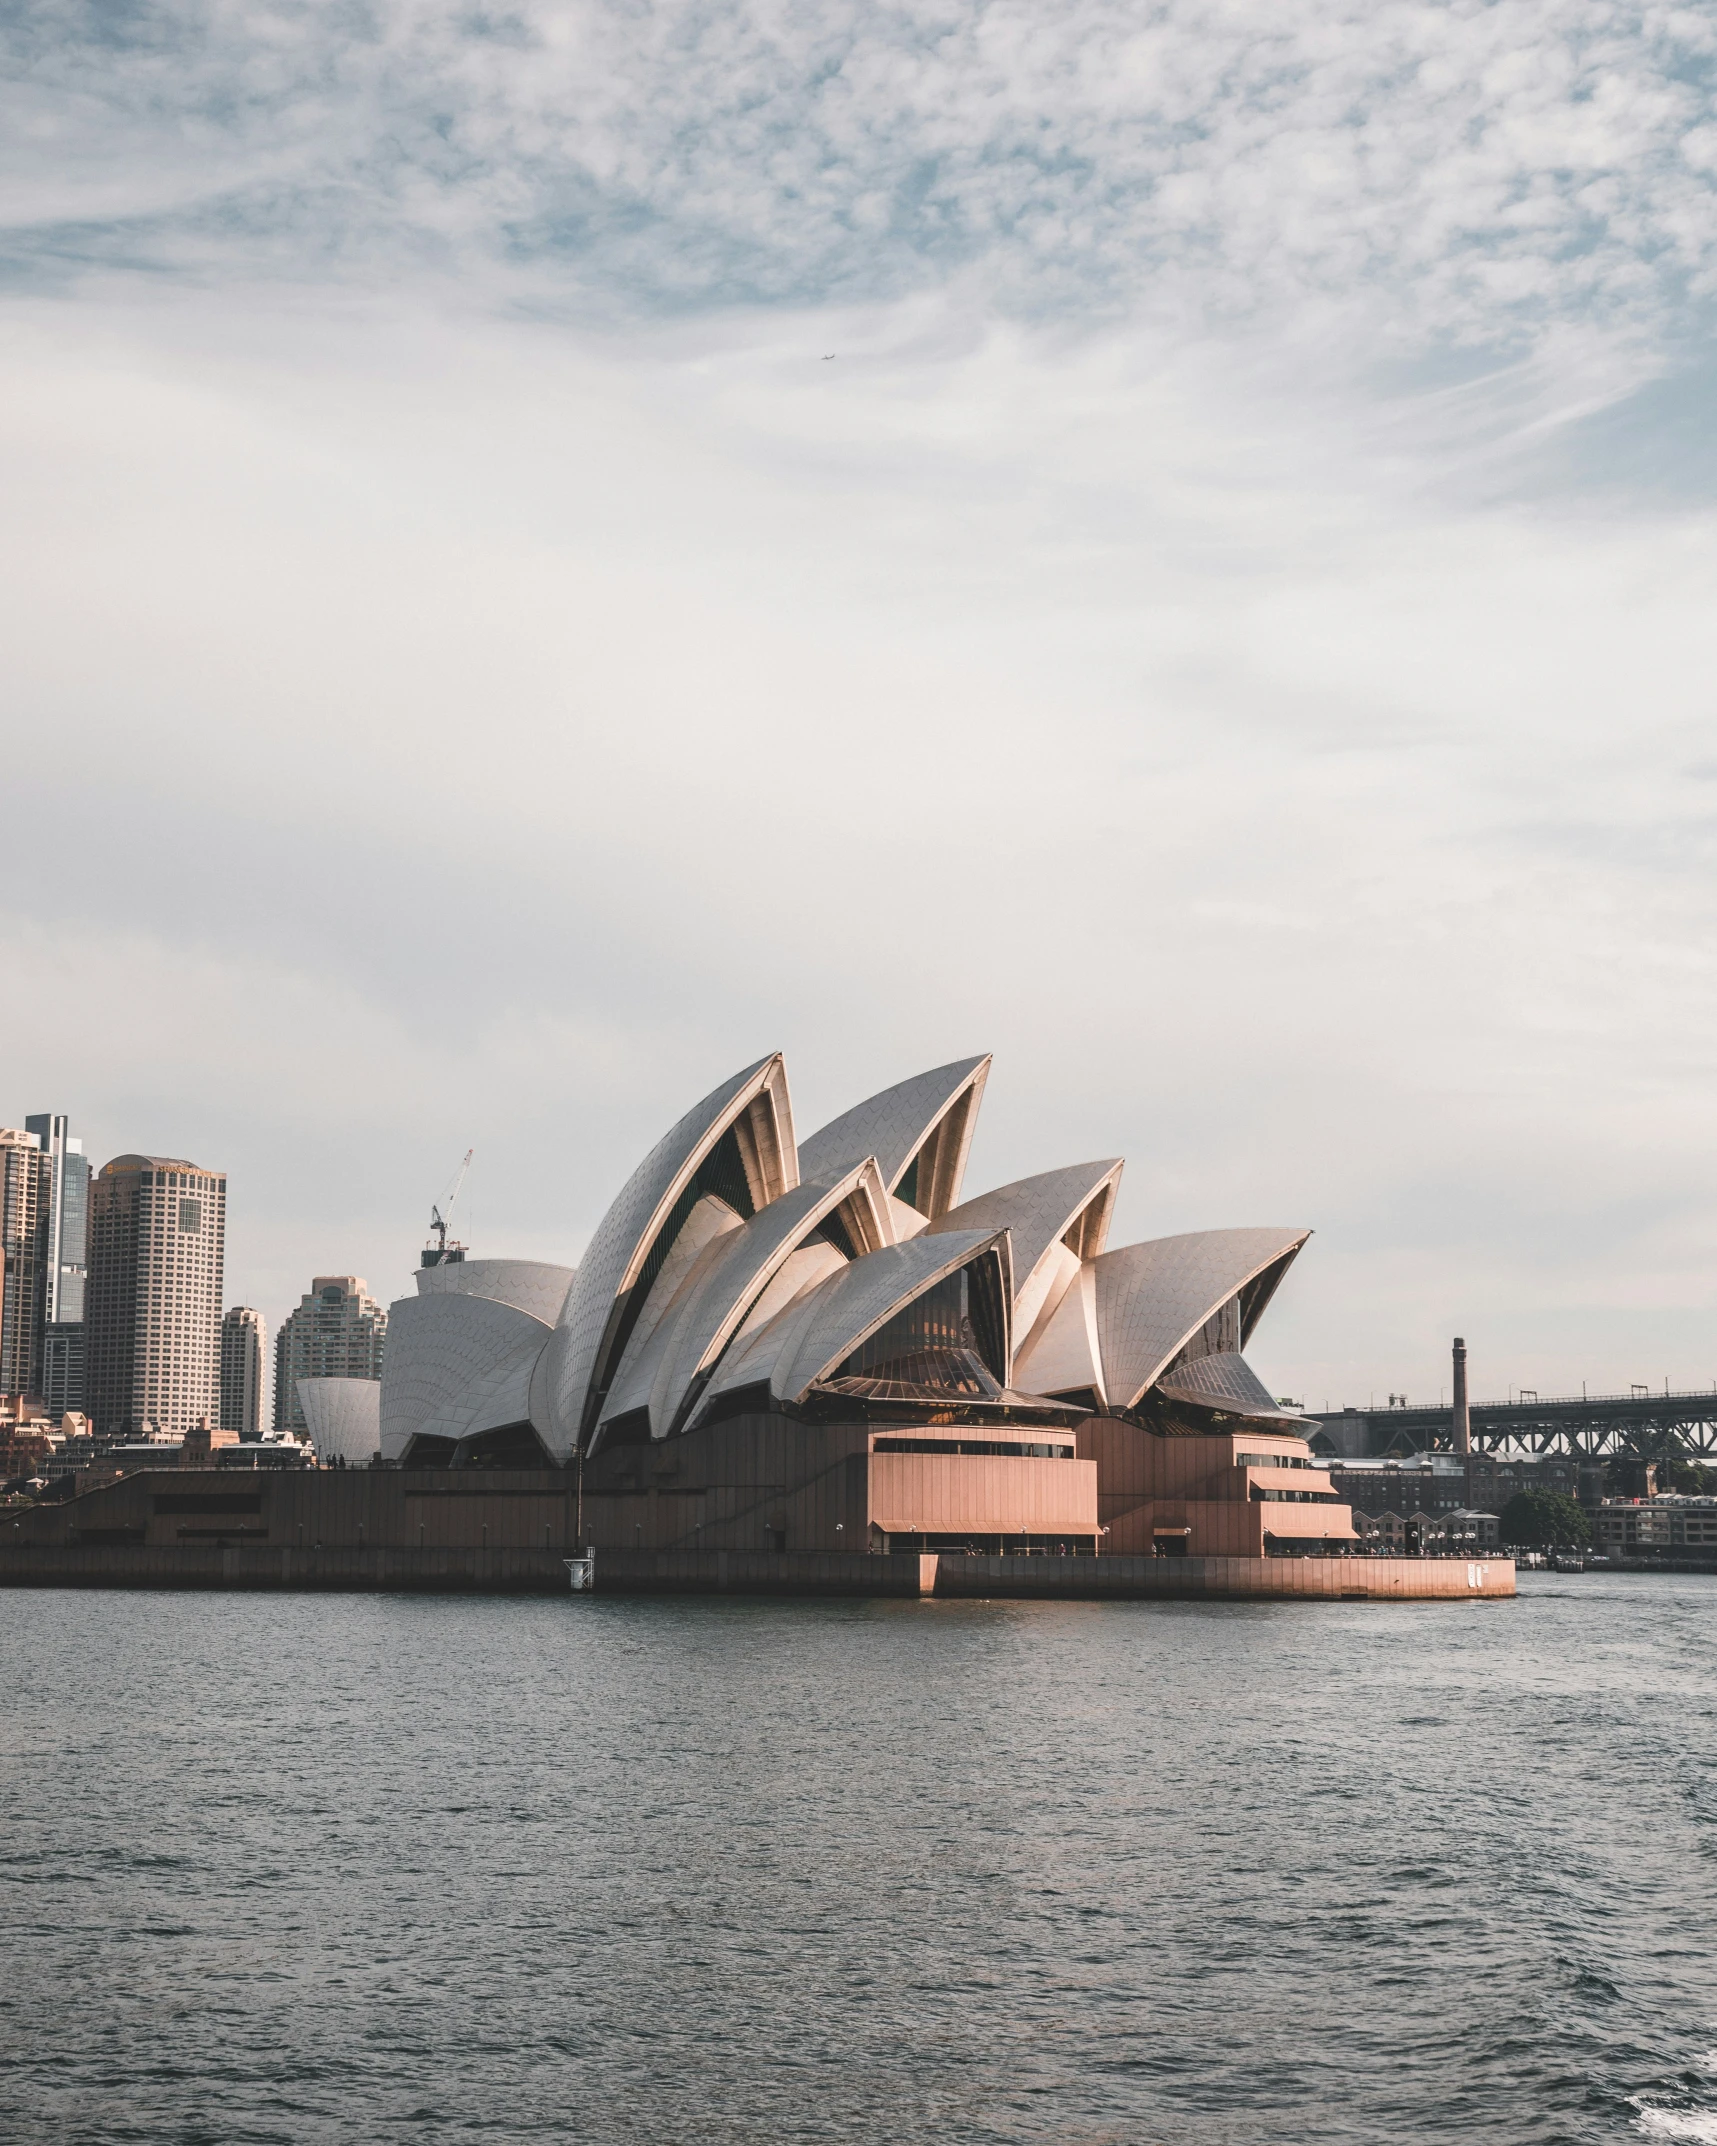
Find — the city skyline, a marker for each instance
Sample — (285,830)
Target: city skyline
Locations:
(1504,1364)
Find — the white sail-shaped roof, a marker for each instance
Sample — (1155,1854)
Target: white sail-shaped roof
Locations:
(1039,1212)
(822,1328)
(455,1365)
(804,1269)
(591,1328)
(1152,1298)
(728,1279)
(343,1418)
(933,1112)
(716,1269)
(710,1220)
(527,1284)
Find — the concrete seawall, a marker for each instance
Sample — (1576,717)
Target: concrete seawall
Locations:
(763,1572)
(1304,1579)
(432,1571)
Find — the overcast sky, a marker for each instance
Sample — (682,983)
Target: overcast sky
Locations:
(551,551)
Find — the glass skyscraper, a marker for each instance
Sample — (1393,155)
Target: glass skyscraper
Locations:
(23,1257)
(65,1264)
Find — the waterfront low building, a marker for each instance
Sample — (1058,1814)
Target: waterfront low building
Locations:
(1396,1534)
(1470,1529)
(1652,1525)
(1494,1478)
(1463,1532)
(1402,1475)
(203,1441)
(1432,1484)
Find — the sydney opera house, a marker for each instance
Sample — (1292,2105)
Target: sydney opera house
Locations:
(825,1344)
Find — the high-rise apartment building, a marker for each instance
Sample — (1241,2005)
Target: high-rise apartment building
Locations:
(61,1344)
(157,1240)
(338,1332)
(24,1194)
(244,1341)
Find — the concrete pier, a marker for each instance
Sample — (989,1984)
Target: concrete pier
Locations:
(452,1570)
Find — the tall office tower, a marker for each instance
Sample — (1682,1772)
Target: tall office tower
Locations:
(68,1217)
(24,1182)
(61,1348)
(63,1381)
(152,1311)
(337,1332)
(244,1337)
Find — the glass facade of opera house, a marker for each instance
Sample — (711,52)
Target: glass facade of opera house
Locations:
(828,1344)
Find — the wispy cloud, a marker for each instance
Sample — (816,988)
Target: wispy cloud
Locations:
(1446,174)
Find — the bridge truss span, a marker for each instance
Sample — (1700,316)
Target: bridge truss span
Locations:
(1647,1426)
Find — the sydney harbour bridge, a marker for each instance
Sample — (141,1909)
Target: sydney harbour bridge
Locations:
(1639,1423)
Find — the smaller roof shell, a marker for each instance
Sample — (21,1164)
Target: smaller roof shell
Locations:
(1226,1381)
(455,1365)
(818,1331)
(1039,1212)
(343,1418)
(527,1284)
(1152,1298)
(894,1125)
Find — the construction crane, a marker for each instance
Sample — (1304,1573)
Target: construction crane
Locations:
(437,1252)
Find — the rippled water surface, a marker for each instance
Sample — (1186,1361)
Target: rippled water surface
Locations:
(306,1869)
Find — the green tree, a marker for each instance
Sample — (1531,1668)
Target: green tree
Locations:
(1687,1476)
(1544,1519)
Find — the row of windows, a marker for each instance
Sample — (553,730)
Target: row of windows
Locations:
(990,1446)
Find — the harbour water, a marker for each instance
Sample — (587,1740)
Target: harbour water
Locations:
(305,1869)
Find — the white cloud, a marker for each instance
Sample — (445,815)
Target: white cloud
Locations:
(494,737)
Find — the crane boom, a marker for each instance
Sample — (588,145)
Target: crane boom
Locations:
(458,1181)
(437,1251)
